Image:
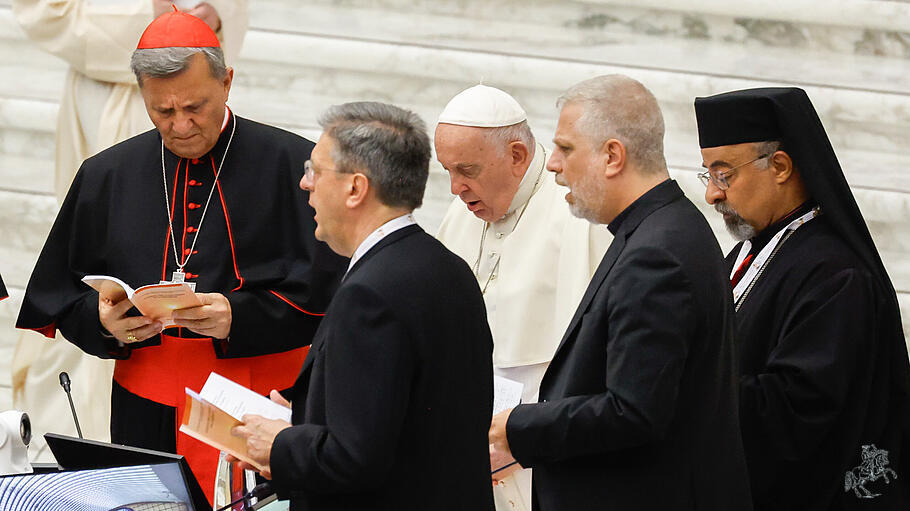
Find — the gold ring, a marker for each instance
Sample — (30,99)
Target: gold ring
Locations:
(131,338)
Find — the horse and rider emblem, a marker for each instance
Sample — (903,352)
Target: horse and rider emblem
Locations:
(873,467)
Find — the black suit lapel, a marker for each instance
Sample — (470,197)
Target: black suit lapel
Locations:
(603,269)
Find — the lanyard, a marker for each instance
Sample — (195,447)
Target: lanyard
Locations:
(758,264)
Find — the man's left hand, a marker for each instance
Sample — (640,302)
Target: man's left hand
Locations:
(260,434)
(212,318)
(500,452)
(498,438)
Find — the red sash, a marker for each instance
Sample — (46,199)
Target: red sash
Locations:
(160,373)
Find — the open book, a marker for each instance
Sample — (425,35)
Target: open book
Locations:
(155,301)
(218,407)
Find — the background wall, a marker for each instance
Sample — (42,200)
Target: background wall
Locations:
(852,57)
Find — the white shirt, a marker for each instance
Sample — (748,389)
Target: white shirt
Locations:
(377,235)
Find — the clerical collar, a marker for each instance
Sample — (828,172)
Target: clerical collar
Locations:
(653,195)
(227,116)
(529,183)
(376,236)
(761,239)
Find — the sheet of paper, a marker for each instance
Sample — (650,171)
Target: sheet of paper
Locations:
(506,393)
(237,400)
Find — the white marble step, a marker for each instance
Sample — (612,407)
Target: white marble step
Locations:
(742,41)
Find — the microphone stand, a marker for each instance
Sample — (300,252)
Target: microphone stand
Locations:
(65,383)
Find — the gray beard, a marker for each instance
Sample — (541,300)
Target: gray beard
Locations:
(736,225)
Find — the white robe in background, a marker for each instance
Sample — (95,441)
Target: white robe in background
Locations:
(546,257)
(101,105)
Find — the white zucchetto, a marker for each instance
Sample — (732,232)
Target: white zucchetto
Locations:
(483,107)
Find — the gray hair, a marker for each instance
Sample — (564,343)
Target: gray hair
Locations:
(387,143)
(501,137)
(616,106)
(165,62)
(769,147)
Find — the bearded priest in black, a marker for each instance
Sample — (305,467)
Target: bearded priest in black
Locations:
(207,198)
(824,370)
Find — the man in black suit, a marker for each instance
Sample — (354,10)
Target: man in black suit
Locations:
(392,406)
(638,407)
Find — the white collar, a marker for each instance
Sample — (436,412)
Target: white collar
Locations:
(227,112)
(377,235)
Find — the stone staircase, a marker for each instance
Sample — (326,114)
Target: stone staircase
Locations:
(853,58)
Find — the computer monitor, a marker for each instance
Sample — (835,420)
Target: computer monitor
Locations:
(76,453)
(158,487)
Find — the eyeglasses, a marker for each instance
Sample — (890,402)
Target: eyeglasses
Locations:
(308,171)
(719,177)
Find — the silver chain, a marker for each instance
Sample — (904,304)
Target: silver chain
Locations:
(181,263)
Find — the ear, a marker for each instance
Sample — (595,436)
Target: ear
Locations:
(228,80)
(357,191)
(781,166)
(519,153)
(613,157)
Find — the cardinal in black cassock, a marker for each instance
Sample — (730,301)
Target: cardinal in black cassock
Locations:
(233,219)
(824,370)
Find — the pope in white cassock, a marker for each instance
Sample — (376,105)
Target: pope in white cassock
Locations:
(532,258)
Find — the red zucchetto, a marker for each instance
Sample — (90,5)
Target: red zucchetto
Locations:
(178,29)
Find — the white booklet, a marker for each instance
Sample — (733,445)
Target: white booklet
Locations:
(156,301)
(237,400)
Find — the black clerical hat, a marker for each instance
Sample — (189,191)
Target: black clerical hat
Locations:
(737,117)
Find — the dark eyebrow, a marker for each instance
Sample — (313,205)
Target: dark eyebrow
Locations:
(717,163)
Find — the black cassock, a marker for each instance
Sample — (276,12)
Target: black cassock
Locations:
(256,246)
(816,376)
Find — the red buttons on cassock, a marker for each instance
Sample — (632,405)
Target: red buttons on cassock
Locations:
(198,183)
(193,205)
(192,182)
(195,161)
(190,229)
(186,251)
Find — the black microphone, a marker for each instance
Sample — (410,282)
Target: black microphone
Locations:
(261,491)
(65,383)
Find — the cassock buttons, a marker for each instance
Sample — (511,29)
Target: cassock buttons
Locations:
(195,161)
(193,205)
(499,235)
(191,229)
(192,182)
